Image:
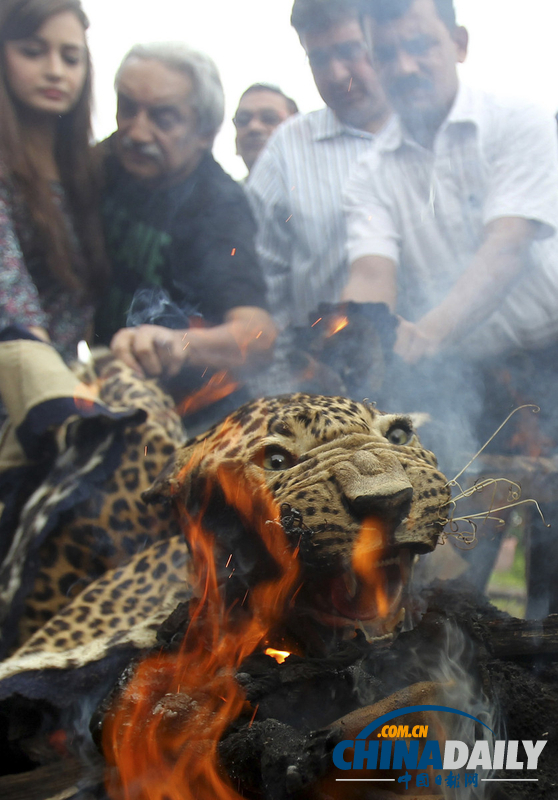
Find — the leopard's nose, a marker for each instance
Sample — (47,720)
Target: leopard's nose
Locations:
(375,485)
(393,506)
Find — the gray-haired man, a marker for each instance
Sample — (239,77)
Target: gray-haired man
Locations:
(174,221)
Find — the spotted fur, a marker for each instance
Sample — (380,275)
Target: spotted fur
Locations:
(338,451)
(112,523)
(328,462)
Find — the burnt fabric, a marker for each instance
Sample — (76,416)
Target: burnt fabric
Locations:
(192,238)
(351,343)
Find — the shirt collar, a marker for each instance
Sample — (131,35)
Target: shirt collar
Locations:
(465,109)
(329,126)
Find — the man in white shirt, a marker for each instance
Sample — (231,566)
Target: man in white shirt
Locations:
(296,185)
(451,221)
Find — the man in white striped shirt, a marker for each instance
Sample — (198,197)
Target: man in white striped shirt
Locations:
(452,222)
(296,185)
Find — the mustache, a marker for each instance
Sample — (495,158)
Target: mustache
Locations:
(255,137)
(149,150)
(409,84)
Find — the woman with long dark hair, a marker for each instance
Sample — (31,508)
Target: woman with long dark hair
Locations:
(51,257)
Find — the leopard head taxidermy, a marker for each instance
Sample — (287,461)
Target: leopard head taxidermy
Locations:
(351,488)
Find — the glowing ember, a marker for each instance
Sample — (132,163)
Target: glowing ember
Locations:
(279,655)
(163,736)
(337,324)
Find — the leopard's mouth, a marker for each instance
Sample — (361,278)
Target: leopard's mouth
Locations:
(374,605)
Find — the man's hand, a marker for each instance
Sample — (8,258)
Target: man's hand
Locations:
(151,350)
(243,341)
(422,339)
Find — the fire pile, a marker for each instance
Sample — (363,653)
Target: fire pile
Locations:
(463,653)
(246,706)
(155,757)
(163,734)
(300,634)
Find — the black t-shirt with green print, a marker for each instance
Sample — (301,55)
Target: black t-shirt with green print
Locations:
(194,239)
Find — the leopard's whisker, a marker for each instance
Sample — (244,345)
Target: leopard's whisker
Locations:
(489,515)
(467,537)
(515,492)
(535,410)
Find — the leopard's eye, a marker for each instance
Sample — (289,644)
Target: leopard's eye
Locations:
(275,458)
(399,435)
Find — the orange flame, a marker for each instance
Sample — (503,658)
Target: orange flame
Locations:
(367,554)
(337,324)
(279,655)
(85,396)
(164,734)
(219,385)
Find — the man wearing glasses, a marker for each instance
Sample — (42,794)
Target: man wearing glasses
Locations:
(296,185)
(261,109)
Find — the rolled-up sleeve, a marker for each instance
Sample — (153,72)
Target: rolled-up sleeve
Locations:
(523,178)
(371,224)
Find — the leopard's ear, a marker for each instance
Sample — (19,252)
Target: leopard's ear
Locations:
(176,478)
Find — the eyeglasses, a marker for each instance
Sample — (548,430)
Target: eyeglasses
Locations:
(266,116)
(348,52)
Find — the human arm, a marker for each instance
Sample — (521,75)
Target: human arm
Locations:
(373,279)
(518,154)
(473,297)
(242,342)
(519,206)
(476,293)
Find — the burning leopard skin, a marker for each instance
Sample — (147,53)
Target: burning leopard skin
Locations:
(330,465)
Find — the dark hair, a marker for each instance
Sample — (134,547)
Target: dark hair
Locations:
(270,87)
(315,16)
(74,156)
(386,10)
